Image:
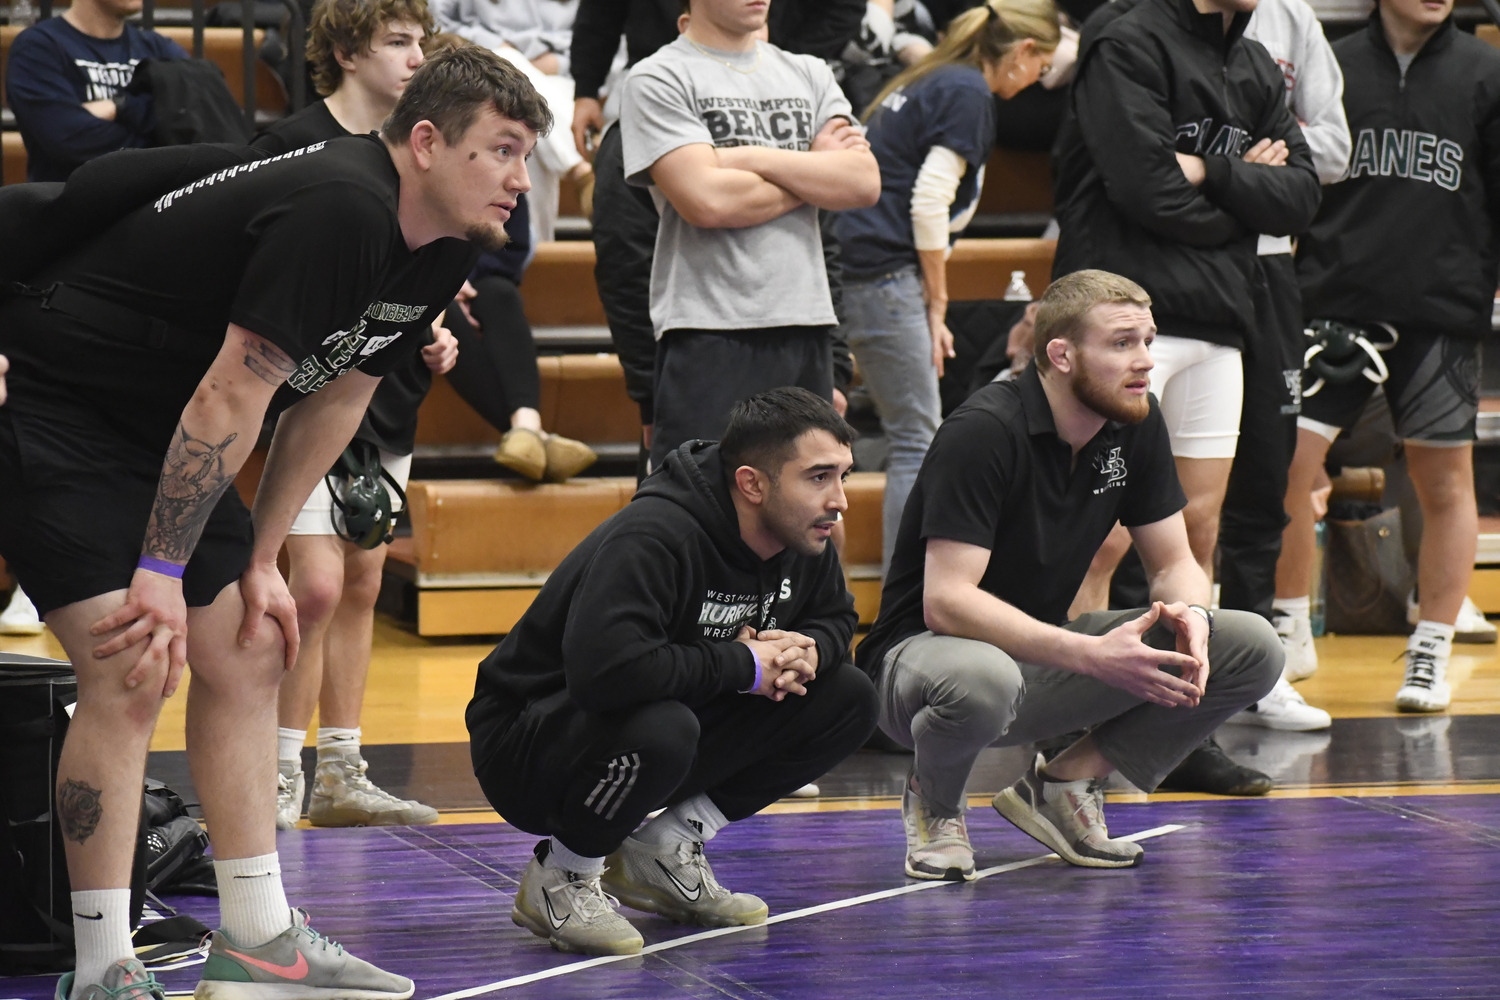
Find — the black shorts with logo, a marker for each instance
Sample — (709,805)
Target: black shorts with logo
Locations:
(79,470)
(1433,390)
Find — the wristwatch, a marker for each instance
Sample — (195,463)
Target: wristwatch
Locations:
(1208,616)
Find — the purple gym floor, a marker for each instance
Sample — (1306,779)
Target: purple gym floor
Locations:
(1323,897)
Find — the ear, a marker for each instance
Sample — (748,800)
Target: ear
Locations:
(1057,353)
(345,61)
(423,143)
(752,484)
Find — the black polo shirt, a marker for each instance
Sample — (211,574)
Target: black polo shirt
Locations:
(998,476)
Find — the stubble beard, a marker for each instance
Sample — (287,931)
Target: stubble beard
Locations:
(489,237)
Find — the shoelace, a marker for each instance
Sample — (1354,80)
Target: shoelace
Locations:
(940,828)
(324,942)
(586,897)
(1284,693)
(1421,669)
(692,856)
(1089,808)
(360,783)
(146,989)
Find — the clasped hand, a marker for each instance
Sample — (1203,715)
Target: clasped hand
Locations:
(1124,660)
(788,660)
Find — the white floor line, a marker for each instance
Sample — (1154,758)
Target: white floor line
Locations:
(838,904)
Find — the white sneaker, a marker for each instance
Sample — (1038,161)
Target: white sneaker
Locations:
(1297,642)
(1471,627)
(937,847)
(1284,708)
(291,792)
(807,791)
(678,883)
(343,796)
(572,911)
(1068,817)
(1425,688)
(20,617)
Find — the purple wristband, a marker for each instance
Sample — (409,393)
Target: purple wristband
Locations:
(756,683)
(161,566)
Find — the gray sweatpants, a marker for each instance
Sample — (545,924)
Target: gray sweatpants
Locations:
(949,698)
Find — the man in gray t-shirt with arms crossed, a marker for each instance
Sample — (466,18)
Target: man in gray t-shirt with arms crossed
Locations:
(740,144)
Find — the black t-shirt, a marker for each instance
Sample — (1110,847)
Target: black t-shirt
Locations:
(998,476)
(303,249)
(391,420)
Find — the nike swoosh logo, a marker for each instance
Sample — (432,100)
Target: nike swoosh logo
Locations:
(297,970)
(690,894)
(97,916)
(557,925)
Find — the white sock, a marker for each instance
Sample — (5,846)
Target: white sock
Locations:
(563,859)
(335,742)
(693,821)
(1432,637)
(252,904)
(1295,607)
(289,745)
(101,934)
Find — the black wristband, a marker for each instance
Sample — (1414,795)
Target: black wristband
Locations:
(1208,614)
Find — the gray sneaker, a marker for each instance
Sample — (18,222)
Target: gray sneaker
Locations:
(678,883)
(127,979)
(571,911)
(291,792)
(297,964)
(1068,817)
(343,796)
(937,847)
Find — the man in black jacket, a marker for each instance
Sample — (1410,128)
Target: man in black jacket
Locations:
(625,218)
(631,683)
(1407,242)
(1180,150)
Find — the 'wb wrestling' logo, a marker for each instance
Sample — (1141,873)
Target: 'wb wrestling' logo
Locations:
(1293,377)
(1110,465)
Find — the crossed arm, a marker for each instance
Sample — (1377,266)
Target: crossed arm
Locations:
(742,186)
(954,604)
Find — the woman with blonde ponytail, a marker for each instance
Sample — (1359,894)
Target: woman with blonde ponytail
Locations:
(931,130)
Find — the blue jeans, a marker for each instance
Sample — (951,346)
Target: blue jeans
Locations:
(886,326)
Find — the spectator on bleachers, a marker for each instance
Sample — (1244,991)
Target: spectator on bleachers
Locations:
(65,79)
(893,35)
(625,217)
(743,143)
(932,129)
(533,35)
(1408,242)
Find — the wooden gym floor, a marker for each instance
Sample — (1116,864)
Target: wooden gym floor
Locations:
(1371,871)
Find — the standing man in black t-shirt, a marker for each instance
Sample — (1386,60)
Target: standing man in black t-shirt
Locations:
(1020,487)
(144,362)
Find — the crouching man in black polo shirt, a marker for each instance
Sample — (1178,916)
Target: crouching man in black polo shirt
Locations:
(1019,489)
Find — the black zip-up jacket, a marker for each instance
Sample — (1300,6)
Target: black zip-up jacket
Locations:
(1409,236)
(811,27)
(1161,79)
(647,606)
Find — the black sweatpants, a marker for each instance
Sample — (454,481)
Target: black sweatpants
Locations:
(625,221)
(589,778)
(1254,512)
(701,374)
(496,370)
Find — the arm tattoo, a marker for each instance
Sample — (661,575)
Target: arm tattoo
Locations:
(270,364)
(192,480)
(79,810)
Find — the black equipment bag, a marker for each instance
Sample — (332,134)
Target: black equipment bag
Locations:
(192,102)
(1368,575)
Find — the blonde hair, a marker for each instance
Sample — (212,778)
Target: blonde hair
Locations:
(982,35)
(1066,303)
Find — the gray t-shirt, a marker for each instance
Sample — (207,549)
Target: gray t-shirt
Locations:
(730,279)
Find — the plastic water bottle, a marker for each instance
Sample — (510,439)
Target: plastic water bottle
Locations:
(22,14)
(1017,291)
(1317,603)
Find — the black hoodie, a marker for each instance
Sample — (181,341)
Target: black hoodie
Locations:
(1409,236)
(646,608)
(1159,79)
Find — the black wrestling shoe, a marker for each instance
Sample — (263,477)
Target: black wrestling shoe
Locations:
(1209,769)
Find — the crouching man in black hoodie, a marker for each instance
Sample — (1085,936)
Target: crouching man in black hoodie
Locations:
(690,653)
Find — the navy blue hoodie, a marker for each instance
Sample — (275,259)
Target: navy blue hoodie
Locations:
(53,69)
(646,608)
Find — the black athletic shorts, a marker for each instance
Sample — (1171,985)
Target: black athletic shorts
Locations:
(1433,390)
(78,476)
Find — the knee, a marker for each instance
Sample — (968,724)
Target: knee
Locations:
(362,580)
(851,700)
(981,687)
(664,732)
(1250,651)
(317,592)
